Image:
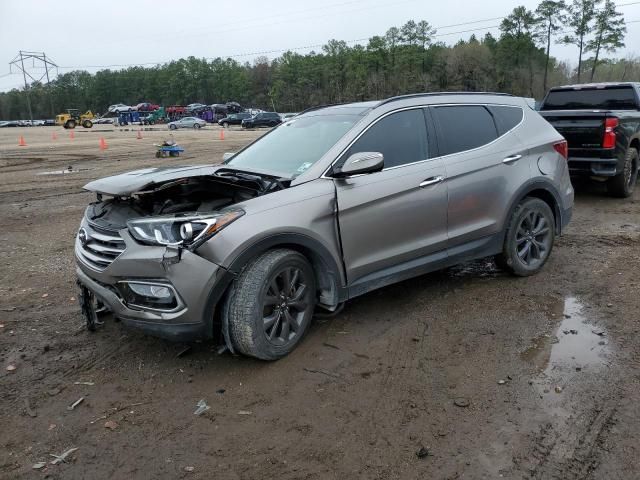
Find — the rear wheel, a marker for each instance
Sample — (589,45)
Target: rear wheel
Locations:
(197,126)
(271,304)
(172,127)
(529,238)
(87,124)
(70,124)
(623,184)
(225,125)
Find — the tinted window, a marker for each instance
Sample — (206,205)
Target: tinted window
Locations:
(464,127)
(613,98)
(506,118)
(401,137)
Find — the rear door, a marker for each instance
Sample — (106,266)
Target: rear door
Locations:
(485,164)
(396,219)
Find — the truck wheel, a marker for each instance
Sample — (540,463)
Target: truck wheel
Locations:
(270,305)
(70,124)
(87,124)
(623,184)
(529,238)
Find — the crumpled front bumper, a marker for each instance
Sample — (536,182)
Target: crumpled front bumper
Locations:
(198,282)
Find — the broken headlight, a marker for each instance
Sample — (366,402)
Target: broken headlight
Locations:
(189,230)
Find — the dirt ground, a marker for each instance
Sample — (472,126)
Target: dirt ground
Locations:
(491,376)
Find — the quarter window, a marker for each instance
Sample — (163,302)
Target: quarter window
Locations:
(464,127)
(401,137)
(506,118)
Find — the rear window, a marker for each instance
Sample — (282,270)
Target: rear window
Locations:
(612,98)
(506,118)
(464,127)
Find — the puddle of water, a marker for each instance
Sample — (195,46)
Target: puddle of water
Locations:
(575,344)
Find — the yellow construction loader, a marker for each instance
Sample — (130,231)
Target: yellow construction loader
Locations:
(73,118)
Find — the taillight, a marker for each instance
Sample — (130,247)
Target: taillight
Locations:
(562,148)
(609,139)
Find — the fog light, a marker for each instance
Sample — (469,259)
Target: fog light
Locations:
(152,296)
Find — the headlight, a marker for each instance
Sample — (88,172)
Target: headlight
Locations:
(192,230)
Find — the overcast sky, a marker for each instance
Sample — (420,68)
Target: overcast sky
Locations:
(89,34)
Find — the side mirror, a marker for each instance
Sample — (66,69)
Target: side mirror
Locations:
(359,164)
(227,155)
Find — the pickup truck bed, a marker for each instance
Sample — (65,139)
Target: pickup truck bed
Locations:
(601,123)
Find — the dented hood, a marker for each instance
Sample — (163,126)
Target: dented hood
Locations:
(129,183)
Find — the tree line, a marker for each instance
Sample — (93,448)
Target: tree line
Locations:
(405,59)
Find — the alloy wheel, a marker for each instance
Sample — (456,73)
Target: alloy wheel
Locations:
(533,238)
(284,306)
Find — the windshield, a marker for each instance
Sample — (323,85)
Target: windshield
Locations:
(611,98)
(296,145)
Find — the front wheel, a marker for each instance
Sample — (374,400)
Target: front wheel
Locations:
(225,125)
(623,184)
(197,126)
(172,127)
(529,238)
(271,304)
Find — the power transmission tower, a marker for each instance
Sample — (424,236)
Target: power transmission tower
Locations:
(39,57)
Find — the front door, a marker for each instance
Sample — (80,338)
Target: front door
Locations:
(393,223)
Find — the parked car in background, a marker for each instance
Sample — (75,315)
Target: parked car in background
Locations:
(147,107)
(601,123)
(196,106)
(104,121)
(337,202)
(50,122)
(233,119)
(187,122)
(12,123)
(264,119)
(120,107)
(3,124)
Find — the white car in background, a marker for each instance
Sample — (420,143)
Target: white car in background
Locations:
(120,107)
(187,122)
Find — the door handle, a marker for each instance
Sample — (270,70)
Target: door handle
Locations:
(431,181)
(512,159)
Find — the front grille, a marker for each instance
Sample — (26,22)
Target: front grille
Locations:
(100,248)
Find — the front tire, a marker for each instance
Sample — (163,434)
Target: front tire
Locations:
(270,306)
(623,184)
(172,127)
(197,126)
(529,238)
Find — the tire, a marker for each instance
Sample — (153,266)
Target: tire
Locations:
(70,124)
(197,126)
(225,125)
(259,325)
(87,124)
(623,184)
(172,127)
(529,238)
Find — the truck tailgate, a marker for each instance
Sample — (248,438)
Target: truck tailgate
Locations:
(582,129)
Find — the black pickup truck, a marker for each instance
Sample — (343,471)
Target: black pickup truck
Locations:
(601,123)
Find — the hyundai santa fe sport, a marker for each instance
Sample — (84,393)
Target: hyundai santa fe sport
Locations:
(330,205)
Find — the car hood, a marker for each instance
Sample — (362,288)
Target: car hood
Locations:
(129,183)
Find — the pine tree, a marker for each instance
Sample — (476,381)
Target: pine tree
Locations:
(580,18)
(609,33)
(551,15)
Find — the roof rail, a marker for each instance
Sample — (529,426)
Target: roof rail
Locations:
(434,94)
(319,107)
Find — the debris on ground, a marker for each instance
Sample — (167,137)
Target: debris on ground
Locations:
(558,389)
(11,368)
(75,404)
(184,351)
(245,412)
(202,407)
(600,333)
(30,411)
(189,469)
(54,391)
(501,382)
(39,465)
(461,402)
(323,372)
(84,383)
(110,424)
(62,457)
(422,453)
(220,391)
(330,345)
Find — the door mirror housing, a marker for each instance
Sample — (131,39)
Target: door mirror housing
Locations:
(359,164)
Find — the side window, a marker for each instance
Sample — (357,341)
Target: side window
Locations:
(506,118)
(464,127)
(401,137)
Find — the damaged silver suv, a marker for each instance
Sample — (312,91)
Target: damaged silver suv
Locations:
(331,204)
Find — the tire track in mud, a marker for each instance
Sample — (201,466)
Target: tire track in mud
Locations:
(569,452)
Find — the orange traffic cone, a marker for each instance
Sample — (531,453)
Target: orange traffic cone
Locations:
(72,135)
(54,136)
(222,134)
(103,144)
(139,135)
(21,142)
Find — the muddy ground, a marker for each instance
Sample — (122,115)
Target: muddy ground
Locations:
(492,376)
